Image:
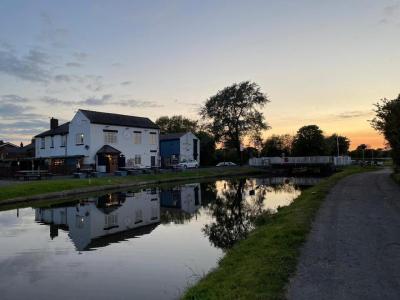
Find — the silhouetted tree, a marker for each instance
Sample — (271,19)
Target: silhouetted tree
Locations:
(332,143)
(176,124)
(387,122)
(276,145)
(233,113)
(207,148)
(309,141)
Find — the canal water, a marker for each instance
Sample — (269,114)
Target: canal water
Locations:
(150,243)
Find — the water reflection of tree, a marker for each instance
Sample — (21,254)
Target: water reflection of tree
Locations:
(234,217)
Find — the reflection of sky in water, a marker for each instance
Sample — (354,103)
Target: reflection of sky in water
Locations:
(158,263)
(274,196)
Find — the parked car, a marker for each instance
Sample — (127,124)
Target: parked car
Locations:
(225,164)
(187,164)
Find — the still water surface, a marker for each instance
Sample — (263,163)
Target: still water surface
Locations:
(142,244)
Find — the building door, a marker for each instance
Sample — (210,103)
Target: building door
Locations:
(112,163)
(195,152)
(153,161)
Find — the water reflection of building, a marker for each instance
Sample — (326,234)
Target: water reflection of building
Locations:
(186,197)
(180,203)
(100,221)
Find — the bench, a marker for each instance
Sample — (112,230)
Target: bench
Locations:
(121,173)
(80,175)
(28,175)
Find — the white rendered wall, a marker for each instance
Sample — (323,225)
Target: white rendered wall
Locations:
(186,147)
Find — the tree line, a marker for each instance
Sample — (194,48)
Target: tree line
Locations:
(233,116)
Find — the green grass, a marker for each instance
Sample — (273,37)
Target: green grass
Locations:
(57,185)
(260,266)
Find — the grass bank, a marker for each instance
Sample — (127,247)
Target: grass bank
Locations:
(28,190)
(260,266)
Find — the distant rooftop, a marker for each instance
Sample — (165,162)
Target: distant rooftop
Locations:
(62,129)
(171,136)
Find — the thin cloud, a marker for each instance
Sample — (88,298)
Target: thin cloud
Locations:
(62,78)
(52,34)
(13,99)
(106,99)
(391,13)
(73,65)
(30,67)
(354,114)
(126,83)
(9,111)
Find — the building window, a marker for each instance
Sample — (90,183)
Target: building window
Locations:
(137,137)
(138,159)
(110,137)
(110,220)
(79,138)
(42,143)
(153,138)
(52,142)
(79,222)
(138,216)
(63,141)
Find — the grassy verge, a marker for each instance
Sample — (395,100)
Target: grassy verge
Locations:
(57,185)
(260,266)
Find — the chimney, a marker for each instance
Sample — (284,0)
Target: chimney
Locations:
(53,123)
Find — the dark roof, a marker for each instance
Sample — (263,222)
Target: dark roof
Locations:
(106,149)
(117,237)
(117,119)
(7,144)
(172,136)
(62,129)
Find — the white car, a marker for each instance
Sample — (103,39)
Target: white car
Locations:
(225,164)
(187,164)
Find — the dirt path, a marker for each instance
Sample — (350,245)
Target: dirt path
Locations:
(353,251)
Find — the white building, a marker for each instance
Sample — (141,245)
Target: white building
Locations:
(105,141)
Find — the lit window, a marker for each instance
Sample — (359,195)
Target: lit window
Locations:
(79,138)
(138,159)
(79,222)
(63,140)
(137,137)
(42,143)
(110,137)
(153,138)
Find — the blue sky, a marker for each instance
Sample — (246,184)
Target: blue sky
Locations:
(322,62)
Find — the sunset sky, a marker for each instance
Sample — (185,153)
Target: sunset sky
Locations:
(320,63)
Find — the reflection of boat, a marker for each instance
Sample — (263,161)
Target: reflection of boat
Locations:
(100,221)
(296,181)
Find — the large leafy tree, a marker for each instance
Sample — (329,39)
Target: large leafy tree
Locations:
(387,122)
(336,141)
(233,113)
(207,148)
(277,145)
(309,141)
(176,124)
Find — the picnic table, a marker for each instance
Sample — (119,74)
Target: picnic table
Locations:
(33,174)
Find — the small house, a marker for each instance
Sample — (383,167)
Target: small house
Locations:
(179,147)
